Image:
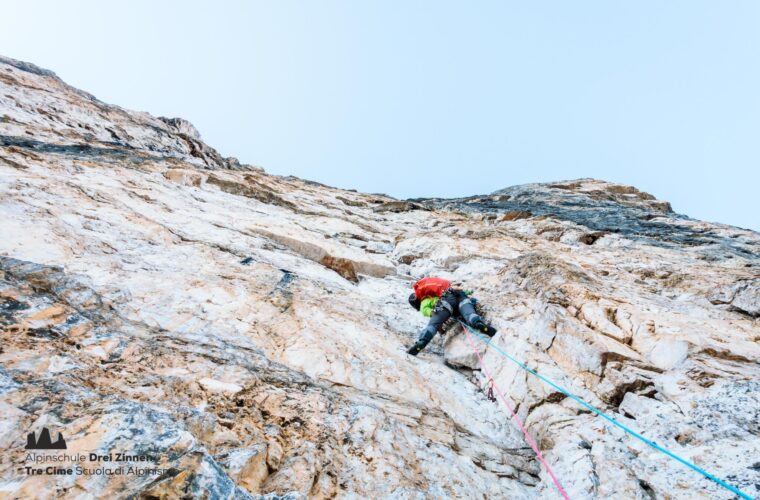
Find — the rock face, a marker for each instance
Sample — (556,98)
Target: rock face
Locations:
(247,332)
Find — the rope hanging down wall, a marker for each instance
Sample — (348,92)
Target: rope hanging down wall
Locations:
(607,417)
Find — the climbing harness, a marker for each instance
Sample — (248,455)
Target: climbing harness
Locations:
(529,439)
(490,395)
(578,400)
(444,304)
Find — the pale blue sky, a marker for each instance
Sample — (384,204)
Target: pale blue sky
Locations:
(436,98)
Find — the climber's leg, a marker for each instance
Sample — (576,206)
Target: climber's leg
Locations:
(443,311)
(467,311)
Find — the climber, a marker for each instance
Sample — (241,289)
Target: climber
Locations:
(436,299)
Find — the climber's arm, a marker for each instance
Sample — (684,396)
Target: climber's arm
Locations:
(428,305)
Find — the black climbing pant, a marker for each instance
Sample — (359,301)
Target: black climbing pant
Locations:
(452,303)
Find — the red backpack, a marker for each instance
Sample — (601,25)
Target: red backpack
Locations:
(430,287)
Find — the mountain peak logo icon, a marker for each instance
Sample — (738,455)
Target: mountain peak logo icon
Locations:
(44,442)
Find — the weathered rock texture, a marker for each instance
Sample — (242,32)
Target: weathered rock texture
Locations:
(250,330)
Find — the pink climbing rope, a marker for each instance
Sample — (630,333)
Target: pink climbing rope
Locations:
(529,439)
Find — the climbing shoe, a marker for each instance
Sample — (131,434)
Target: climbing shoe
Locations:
(489,330)
(483,327)
(414,350)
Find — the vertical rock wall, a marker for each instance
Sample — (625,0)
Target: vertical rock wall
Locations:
(247,332)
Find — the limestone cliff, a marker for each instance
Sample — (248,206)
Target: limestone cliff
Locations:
(248,331)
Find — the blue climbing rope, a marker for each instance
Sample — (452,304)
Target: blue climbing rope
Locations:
(610,419)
